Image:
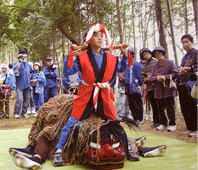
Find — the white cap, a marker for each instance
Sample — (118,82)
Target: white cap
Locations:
(37,63)
(4,66)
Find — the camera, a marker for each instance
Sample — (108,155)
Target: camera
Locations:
(194,76)
(22,55)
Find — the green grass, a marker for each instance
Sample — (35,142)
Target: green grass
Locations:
(179,155)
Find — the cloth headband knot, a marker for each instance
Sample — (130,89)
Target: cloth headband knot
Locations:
(98,27)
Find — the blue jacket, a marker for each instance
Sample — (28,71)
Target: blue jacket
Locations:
(51,79)
(10,80)
(22,75)
(133,78)
(41,81)
(66,80)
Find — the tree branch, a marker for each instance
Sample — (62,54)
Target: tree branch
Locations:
(14,6)
(67,34)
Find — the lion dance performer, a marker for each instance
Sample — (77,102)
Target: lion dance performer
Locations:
(94,99)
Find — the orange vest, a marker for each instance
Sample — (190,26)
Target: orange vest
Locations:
(90,75)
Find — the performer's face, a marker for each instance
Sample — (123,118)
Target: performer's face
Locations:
(97,39)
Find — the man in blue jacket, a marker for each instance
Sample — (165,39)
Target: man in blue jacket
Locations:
(22,71)
(133,81)
(72,82)
(51,74)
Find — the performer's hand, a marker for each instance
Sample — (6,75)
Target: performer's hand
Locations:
(33,80)
(74,45)
(161,78)
(123,50)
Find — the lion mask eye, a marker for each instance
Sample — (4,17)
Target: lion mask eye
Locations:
(116,145)
(95,145)
(98,146)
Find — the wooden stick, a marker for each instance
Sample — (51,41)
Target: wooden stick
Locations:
(84,48)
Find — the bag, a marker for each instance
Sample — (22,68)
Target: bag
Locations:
(172,84)
(5,91)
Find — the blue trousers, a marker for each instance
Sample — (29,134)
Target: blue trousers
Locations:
(49,92)
(38,100)
(123,105)
(22,95)
(65,132)
(31,99)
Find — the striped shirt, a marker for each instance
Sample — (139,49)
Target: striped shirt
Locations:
(146,70)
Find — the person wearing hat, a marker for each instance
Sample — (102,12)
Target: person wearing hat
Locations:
(160,76)
(22,71)
(38,82)
(149,62)
(186,79)
(7,83)
(133,81)
(51,75)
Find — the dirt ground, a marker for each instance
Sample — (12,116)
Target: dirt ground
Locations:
(178,134)
(145,127)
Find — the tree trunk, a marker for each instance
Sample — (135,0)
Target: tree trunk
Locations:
(186,16)
(63,47)
(124,25)
(162,36)
(79,25)
(141,24)
(119,21)
(13,58)
(154,39)
(54,42)
(195,8)
(172,32)
(133,23)
(6,56)
(96,11)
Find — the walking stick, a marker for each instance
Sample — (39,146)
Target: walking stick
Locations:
(84,48)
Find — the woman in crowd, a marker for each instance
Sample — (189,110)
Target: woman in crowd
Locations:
(38,82)
(164,95)
(187,103)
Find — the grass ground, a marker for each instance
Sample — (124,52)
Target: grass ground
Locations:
(181,151)
(179,155)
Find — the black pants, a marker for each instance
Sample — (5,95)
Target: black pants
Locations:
(136,106)
(188,108)
(167,103)
(153,101)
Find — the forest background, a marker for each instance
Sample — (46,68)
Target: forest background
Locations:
(49,27)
